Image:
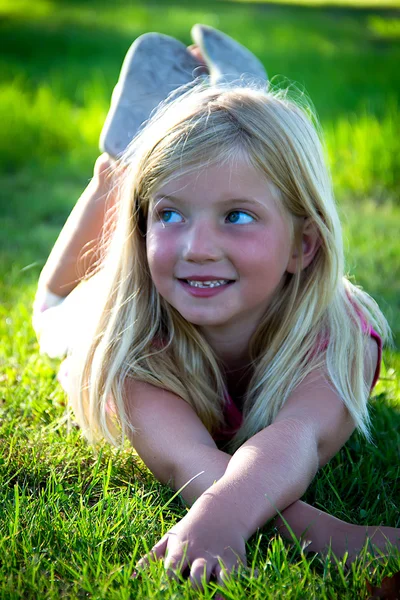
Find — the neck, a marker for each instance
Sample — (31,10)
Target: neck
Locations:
(231,349)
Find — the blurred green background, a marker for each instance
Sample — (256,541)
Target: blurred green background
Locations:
(60,60)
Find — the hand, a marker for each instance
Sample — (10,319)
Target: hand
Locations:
(201,542)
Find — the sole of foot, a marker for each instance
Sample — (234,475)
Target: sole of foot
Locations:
(155,66)
(227,60)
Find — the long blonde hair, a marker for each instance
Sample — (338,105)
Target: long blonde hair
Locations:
(316,317)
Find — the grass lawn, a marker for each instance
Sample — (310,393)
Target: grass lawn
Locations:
(73,521)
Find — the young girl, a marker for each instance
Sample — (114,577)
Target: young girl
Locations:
(220,334)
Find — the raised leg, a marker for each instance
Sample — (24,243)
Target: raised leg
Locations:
(78,247)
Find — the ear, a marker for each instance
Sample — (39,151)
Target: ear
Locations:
(310,242)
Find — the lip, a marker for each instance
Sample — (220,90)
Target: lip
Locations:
(204,292)
(205,278)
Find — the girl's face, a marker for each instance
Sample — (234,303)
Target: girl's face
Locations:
(218,246)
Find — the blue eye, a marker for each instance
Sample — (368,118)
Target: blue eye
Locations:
(236,214)
(165,216)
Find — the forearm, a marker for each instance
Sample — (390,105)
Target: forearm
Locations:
(268,473)
(317,528)
(299,519)
(206,466)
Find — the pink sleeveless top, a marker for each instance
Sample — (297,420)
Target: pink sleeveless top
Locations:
(234,417)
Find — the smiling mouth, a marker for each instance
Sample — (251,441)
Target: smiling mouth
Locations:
(207,284)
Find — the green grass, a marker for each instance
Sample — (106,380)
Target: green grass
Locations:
(73,522)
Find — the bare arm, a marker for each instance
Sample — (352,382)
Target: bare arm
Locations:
(172,441)
(270,471)
(267,473)
(275,467)
(176,446)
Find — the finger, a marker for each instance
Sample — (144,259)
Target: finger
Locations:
(223,572)
(175,565)
(158,551)
(200,573)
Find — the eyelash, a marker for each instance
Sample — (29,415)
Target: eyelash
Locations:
(166,210)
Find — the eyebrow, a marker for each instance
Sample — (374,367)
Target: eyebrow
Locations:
(158,198)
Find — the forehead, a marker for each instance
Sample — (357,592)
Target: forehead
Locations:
(220,182)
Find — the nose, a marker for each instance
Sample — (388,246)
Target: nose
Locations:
(202,243)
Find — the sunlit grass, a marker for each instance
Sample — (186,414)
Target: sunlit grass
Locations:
(74,522)
(28,134)
(364,154)
(372,252)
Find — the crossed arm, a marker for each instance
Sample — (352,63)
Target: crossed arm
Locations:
(238,494)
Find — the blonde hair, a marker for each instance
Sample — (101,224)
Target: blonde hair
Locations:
(316,318)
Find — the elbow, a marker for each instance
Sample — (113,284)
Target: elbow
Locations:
(164,474)
(160,466)
(312,453)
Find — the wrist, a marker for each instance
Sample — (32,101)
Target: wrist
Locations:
(225,509)
(202,475)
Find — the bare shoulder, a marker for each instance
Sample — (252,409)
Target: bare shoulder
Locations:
(151,408)
(140,392)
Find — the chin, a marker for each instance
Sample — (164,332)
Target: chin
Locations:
(203,320)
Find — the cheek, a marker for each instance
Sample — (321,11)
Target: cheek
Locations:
(266,252)
(160,253)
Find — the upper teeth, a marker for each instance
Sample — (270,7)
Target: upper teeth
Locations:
(207,283)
